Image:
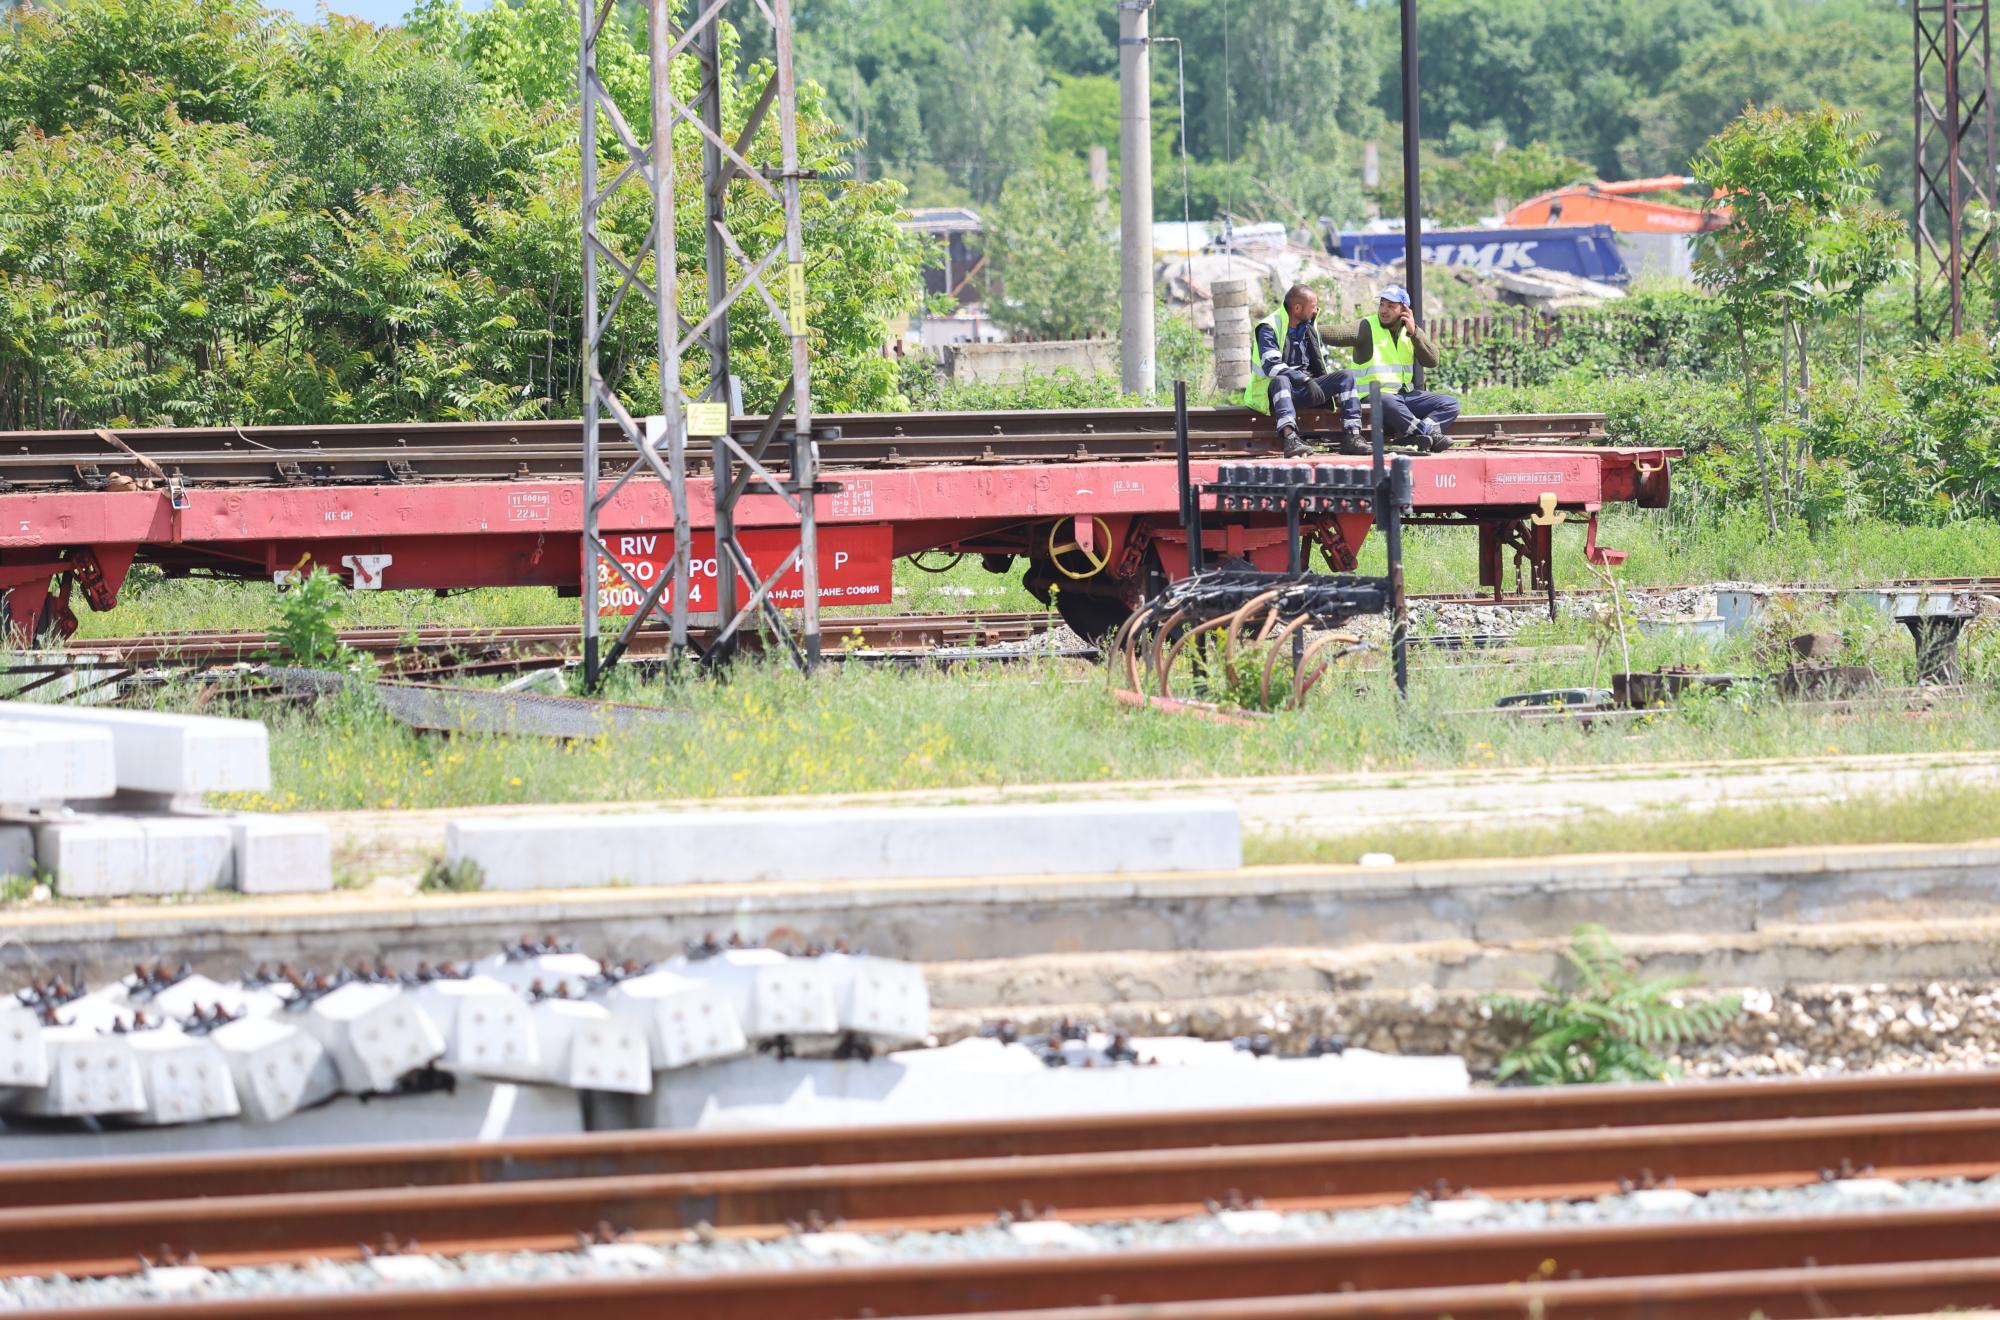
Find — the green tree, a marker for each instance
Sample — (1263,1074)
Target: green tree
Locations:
(1463,182)
(1084,114)
(1803,234)
(1056,254)
(382,231)
(1850,54)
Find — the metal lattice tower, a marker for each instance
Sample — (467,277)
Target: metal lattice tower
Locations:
(1954,154)
(655,449)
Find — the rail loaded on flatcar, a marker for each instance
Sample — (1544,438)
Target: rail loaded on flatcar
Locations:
(1089,499)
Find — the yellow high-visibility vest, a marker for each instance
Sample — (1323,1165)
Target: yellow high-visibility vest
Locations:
(1393,360)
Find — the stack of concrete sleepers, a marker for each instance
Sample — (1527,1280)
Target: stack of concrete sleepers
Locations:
(108,803)
(167,1046)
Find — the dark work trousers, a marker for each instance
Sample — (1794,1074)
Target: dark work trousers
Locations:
(1336,388)
(1402,412)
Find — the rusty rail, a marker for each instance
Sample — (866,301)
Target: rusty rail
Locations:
(1882,1259)
(87,1238)
(47,1183)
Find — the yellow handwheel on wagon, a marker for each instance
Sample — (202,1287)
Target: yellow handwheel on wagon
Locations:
(1094,559)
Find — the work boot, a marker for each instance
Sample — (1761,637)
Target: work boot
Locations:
(1431,437)
(1294,447)
(1353,442)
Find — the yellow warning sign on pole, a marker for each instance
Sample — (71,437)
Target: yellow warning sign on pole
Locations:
(797,311)
(708,419)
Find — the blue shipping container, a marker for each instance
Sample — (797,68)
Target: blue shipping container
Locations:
(1587,250)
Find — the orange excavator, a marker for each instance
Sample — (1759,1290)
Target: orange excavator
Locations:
(1617,205)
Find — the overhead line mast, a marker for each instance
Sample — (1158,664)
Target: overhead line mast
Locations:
(653,449)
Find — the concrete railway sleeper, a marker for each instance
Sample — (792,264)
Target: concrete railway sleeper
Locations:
(92,1238)
(1879,1263)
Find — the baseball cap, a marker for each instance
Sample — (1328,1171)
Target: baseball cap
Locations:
(1395,293)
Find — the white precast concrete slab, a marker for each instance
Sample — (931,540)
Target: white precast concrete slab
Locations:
(978,1079)
(277,1067)
(474,1110)
(772,994)
(187,1078)
(862,843)
(882,998)
(190,856)
(583,1045)
(374,1034)
(17,851)
(683,1020)
(282,855)
(23,1059)
(94,857)
(158,752)
(89,1073)
(54,763)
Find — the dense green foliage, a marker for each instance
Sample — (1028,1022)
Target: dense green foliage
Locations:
(212,213)
(1282,93)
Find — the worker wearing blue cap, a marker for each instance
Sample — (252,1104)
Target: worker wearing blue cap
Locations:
(1387,348)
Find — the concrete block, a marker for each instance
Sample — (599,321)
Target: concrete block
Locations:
(93,857)
(374,1034)
(1078,838)
(187,1078)
(584,1046)
(89,1073)
(54,763)
(188,856)
(772,994)
(487,1028)
(176,1280)
(158,752)
(278,1068)
(17,851)
(682,1019)
(282,855)
(980,1079)
(1051,1235)
(881,998)
(23,1059)
(475,1110)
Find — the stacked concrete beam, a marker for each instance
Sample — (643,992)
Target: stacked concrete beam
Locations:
(157,764)
(1080,838)
(147,1053)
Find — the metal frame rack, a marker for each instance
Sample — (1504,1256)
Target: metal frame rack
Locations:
(654,449)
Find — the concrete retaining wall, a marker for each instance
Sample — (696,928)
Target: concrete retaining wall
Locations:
(1936,891)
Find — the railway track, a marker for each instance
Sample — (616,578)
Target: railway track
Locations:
(542,450)
(97,1217)
(464,649)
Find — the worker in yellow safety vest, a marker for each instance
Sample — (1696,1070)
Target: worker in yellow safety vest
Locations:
(1387,348)
(1289,371)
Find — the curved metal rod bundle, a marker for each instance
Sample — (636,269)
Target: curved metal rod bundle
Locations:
(1188,616)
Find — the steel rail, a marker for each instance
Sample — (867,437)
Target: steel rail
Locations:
(87,1238)
(925,631)
(1417,1265)
(606,1154)
(384,454)
(1806,1293)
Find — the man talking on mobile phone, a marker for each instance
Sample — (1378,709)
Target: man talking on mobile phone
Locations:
(1386,348)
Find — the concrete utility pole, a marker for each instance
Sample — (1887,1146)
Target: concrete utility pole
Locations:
(1135,187)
